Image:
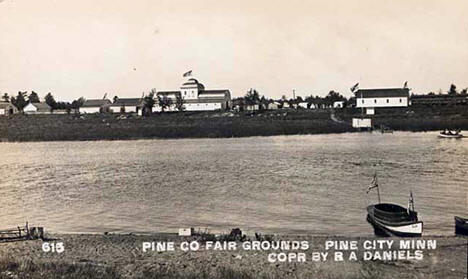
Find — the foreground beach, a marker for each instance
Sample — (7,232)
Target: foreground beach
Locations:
(121,256)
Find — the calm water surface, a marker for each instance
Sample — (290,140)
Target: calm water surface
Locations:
(282,184)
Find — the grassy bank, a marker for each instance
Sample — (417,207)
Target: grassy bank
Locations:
(218,124)
(121,256)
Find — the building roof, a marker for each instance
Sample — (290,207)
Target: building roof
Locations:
(204,100)
(96,103)
(191,82)
(128,102)
(168,93)
(40,106)
(382,92)
(5,105)
(211,92)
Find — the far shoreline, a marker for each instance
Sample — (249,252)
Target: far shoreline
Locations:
(202,125)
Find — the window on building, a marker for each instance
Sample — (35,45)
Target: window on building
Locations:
(401,101)
(387,101)
(375,101)
(363,101)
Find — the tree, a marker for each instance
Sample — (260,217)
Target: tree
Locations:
(179,102)
(33,97)
(115,98)
(76,104)
(265,102)
(148,101)
(49,99)
(6,97)
(20,100)
(164,102)
(464,92)
(252,97)
(332,97)
(452,90)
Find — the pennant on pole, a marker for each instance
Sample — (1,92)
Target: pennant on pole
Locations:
(355,87)
(374,184)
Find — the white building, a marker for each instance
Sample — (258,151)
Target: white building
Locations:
(37,108)
(127,105)
(381,98)
(338,104)
(7,108)
(196,98)
(362,123)
(95,106)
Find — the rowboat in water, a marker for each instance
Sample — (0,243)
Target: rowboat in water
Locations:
(461,225)
(390,219)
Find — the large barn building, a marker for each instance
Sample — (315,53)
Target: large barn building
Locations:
(196,98)
(381,98)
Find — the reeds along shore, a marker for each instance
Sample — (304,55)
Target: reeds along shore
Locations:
(219,124)
(121,256)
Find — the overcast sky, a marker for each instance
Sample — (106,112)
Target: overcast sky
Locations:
(91,47)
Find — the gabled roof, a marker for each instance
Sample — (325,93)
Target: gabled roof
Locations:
(382,92)
(40,106)
(128,102)
(96,103)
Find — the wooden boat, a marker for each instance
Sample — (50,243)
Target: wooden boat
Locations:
(394,220)
(450,135)
(461,225)
(390,219)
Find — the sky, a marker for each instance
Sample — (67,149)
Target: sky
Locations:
(124,48)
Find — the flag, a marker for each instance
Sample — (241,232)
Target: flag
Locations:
(374,184)
(188,74)
(405,85)
(355,87)
(410,202)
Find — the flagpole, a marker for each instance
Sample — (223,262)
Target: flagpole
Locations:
(378,192)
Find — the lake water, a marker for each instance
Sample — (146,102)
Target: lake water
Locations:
(282,184)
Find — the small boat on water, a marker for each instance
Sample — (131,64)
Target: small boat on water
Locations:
(450,134)
(461,225)
(390,219)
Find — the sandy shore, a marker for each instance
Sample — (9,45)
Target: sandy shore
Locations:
(122,256)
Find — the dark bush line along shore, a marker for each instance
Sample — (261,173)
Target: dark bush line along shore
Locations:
(219,124)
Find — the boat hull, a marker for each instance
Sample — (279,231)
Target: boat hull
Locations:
(461,226)
(450,136)
(413,229)
(394,220)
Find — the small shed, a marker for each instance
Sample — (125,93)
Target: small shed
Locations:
(7,108)
(338,104)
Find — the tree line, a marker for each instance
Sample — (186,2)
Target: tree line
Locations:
(253,97)
(23,98)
